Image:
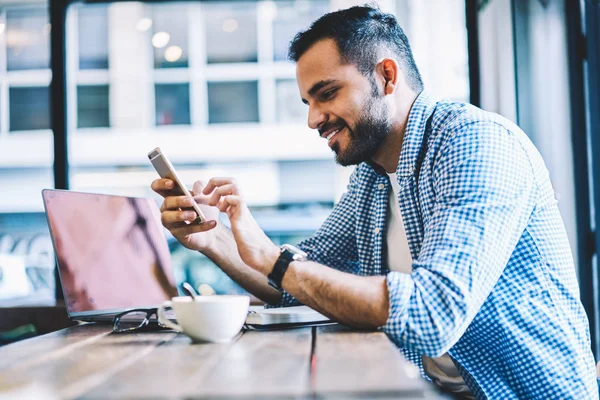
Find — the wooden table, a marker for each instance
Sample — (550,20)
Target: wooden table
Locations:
(88,361)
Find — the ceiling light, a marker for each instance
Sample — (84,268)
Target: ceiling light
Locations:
(2,26)
(160,39)
(230,25)
(143,24)
(173,53)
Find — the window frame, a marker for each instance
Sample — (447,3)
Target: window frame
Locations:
(591,282)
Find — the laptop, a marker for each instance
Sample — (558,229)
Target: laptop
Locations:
(111,252)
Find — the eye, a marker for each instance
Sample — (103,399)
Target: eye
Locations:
(329,94)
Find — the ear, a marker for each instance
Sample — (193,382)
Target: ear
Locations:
(388,71)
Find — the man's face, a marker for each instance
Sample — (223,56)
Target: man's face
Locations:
(344,105)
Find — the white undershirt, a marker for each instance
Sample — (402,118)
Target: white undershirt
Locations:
(440,369)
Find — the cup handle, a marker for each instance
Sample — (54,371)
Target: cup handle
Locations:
(163,320)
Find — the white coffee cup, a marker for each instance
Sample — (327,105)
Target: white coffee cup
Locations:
(207,318)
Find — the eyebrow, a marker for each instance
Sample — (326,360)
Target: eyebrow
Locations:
(318,86)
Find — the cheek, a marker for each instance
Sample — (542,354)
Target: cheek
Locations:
(348,113)
(356,107)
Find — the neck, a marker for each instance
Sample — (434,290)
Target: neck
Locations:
(389,153)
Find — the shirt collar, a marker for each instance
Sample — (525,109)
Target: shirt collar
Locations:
(413,133)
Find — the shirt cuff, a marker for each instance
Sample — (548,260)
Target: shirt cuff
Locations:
(400,287)
(287,300)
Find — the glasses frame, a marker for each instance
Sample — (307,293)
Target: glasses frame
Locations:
(145,322)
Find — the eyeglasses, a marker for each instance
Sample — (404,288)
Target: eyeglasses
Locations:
(133,320)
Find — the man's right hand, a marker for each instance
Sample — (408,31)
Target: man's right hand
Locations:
(178,216)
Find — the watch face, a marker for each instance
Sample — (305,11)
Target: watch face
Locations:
(299,255)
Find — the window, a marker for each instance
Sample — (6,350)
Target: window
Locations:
(170,36)
(29,108)
(289,105)
(92,106)
(27,39)
(231,32)
(210,83)
(93,40)
(291,18)
(172,104)
(232,102)
(436,30)
(26,155)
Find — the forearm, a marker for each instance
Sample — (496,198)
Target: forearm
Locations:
(223,252)
(352,300)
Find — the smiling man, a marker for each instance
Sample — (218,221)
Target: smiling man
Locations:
(448,239)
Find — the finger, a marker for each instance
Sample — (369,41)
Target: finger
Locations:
(173,218)
(229,201)
(223,191)
(222,205)
(233,200)
(216,182)
(202,199)
(198,187)
(176,202)
(197,193)
(162,186)
(193,228)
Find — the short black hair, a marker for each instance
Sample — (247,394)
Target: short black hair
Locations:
(359,33)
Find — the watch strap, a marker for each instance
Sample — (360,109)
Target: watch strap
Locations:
(280,268)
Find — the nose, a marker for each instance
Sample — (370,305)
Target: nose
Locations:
(316,117)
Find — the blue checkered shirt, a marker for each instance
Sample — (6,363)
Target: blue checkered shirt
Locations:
(493,281)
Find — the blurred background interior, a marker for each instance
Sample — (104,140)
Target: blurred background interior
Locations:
(209,82)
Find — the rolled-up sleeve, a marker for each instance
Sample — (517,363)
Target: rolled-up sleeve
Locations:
(484,195)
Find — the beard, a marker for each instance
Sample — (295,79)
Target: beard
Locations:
(368,134)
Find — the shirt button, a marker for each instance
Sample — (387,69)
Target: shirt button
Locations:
(411,170)
(381,186)
(376,230)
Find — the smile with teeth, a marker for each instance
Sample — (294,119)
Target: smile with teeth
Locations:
(332,134)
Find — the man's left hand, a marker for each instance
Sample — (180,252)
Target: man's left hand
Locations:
(254,246)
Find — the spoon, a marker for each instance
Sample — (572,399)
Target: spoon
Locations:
(189,290)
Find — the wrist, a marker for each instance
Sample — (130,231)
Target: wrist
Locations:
(270,256)
(287,255)
(219,237)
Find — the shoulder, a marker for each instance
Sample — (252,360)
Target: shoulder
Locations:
(463,133)
(457,121)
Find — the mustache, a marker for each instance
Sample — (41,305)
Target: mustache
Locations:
(328,126)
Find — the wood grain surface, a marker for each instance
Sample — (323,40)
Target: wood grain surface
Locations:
(89,361)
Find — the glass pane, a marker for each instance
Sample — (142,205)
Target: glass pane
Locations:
(170,35)
(27,39)
(92,106)
(93,37)
(230,32)
(291,18)
(172,104)
(29,108)
(289,104)
(450,78)
(26,253)
(232,102)
(307,181)
(145,95)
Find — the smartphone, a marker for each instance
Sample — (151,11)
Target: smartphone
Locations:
(165,169)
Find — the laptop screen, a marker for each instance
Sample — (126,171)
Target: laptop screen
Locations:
(111,251)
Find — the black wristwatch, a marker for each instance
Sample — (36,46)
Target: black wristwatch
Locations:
(288,254)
